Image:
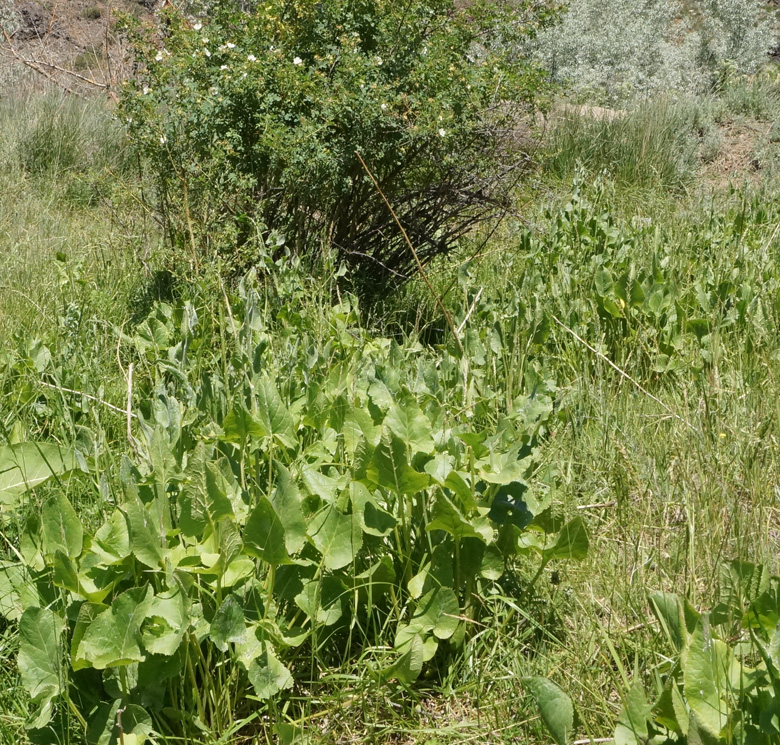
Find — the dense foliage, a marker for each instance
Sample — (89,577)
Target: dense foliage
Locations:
(326,495)
(612,52)
(252,122)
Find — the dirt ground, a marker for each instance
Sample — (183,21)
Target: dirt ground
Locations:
(73,43)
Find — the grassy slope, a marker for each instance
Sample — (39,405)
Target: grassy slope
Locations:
(676,488)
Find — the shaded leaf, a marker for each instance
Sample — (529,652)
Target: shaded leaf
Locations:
(632,722)
(555,707)
(408,423)
(336,536)
(572,542)
(61,528)
(114,637)
(288,505)
(264,535)
(40,659)
(228,626)
(267,674)
(26,465)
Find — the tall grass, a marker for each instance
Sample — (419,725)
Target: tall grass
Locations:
(655,145)
(65,188)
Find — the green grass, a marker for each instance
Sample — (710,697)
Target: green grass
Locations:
(668,490)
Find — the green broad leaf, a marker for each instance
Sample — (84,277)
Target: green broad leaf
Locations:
(103,729)
(698,734)
(273,415)
(773,649)
(113,638)
(336,536)
(228,626)
(389,469)
(112,539)
(476,441)
(667,609)
(31,543)
(572,542)
(358,426)
(88,612)
(166,623)
(18,590)
(218,506)
(417,583)
(447,517)
(410,425)
(288,505)
(603,280)
(670,710)
(239,425)
(65,574)
(230,543)
(322,600)
(153,674)
(320,485)
(555,707)
(492,565)
(192,517)
(380,395)
(632,723)
(407,668)
(147,543)
(440,466)
(463,493)
(264,535)
(203,499)
(267,674)
(61,528)
(40,659)
(374,520)
(26,465)
(283,637)
(437,611)
(703,666)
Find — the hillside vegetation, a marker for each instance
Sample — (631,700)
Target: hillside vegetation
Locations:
(346,397)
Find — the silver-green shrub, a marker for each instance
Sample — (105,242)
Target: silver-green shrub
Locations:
(611,51)
(9,18)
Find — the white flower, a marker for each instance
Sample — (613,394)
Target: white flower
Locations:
(442,132)
(198,26)
(146,90)
(213,90)
(163,140)
(297,61)
(252,58)
(379,61)
(383,106)
(224,67)
(230,45)
(159,56)
(207,53)
(204,40)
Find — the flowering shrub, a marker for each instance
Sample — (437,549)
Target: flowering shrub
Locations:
(252,121)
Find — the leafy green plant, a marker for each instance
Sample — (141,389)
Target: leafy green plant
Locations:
(252,123)
(325,496)
(722,682)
